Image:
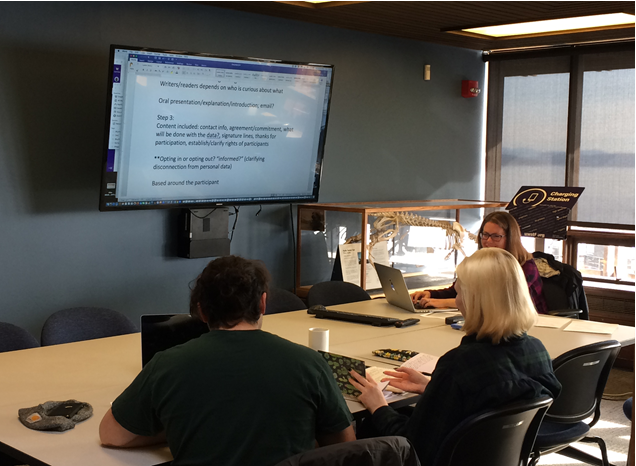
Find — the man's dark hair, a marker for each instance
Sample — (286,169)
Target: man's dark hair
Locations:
(229,291)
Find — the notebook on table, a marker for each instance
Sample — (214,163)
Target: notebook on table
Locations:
(160,332)
(340,367)
(397,293)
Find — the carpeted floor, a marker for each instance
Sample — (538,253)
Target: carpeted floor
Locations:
(620,385)
(613,426)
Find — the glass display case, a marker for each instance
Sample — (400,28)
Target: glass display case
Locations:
(421,238)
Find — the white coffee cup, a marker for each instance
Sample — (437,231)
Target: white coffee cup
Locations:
(319,338)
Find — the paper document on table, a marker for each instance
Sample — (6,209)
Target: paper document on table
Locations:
(422,363)
(549,322)
(388,396)
(377,374)
(587,326)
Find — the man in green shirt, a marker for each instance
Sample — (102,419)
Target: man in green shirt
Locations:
(236,395)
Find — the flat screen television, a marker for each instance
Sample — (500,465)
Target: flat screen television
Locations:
(195,130)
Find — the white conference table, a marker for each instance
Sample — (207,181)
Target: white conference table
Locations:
(97,371)
(94,371)
(294,326)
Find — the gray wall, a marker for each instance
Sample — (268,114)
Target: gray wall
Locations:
(391,136)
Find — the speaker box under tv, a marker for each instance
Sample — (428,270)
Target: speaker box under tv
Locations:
(203,233)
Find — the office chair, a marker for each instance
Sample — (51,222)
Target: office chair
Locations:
(499,437)
(627,407)
(14,338)
(583,373)
(84,323)
(379,451)
(279,300)
(563,293)
(335,292)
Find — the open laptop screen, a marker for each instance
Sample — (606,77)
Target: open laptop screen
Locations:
(397,293)
(162,331)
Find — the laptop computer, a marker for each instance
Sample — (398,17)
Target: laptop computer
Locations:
(160,332)
(397,293)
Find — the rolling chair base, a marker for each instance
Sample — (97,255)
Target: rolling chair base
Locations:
(579,455)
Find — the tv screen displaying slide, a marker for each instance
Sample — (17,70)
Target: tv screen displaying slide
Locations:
(192,130)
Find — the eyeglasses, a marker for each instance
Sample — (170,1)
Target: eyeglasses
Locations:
(495,238)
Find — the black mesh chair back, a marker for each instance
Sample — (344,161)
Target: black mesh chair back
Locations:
(335,292)
(583,373)
(380,451)
(84,323)
(14,338)
(498,437)
(279,300)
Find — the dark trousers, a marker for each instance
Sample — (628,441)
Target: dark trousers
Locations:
(6,460)
(366,429)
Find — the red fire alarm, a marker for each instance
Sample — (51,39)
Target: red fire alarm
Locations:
(470,88)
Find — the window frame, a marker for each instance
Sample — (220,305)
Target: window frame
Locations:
(575,60)
(600,238)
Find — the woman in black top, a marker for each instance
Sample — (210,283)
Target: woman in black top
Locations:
(495,364)
(498,230)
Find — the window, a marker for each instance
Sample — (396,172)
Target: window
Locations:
(595,260)
(566,118)
(607,147)
(603,255)
(535,116)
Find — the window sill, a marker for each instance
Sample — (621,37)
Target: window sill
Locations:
(594,285)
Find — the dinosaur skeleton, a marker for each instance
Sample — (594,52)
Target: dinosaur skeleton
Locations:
(387,226)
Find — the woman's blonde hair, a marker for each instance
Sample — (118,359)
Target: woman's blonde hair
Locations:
(495,294)
(513,234)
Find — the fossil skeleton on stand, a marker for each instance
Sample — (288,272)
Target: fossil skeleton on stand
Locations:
(387,226)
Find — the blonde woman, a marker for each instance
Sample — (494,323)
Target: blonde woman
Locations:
(498,230)
(497,362)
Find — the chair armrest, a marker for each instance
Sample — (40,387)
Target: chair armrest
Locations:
(573,313)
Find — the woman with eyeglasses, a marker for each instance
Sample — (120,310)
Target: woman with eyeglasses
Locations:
(498,230)
(496,363)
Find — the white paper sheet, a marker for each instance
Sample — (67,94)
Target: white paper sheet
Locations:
(422,363)
(587,326)
(549,322)
(350,262)
(377,374)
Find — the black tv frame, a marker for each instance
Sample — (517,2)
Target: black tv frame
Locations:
(110,177)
